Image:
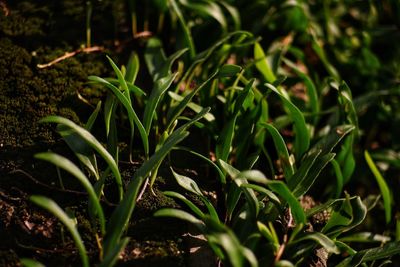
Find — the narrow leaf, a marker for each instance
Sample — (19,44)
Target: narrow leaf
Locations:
(281,189)
(92,141)
(302,135)
(281,149)
(52,207)
(70,167)
(385,191)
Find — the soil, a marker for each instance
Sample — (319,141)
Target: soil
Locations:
(36,32)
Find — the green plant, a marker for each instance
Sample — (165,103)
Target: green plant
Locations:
(284,110)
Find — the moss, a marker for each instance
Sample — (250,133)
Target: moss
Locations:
(27,19)
(8,258)
(28,94)
(153,253)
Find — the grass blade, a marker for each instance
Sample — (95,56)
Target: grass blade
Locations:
(133,118)
(112,256)
(93,117)
(321,239)
(160,87)
(188,203)
(281,149)
(120,77)
(186,31)
(385,191)
(53,208)
(177,111)
(132,68)
(281,189)
(187,183)
(70,167)
(302,135)
(92,141)
(193,106)
(315,169)
(262,63)
(31,263)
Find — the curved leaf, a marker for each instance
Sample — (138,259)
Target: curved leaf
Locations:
(281,148)
(52,207)
(70,167)
(302,135)
(92,141)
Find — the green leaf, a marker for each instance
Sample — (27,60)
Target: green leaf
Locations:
(30,263)
(186,31)
(283,263)
(160,87)
(222,236)
(272,197)
(262,63)
(109,111)
(93,117)
(252,175)
(52,207)
(316,159)
(224,141)
(158,65)
(119,74)
(81,149)
(177,111)
(188,203)
(242,96)
(179,214)
(351,213)
(229,70)
(371,254)
(330,204)
(133,118)
(339,178)
(113,255)
(132,69)
(311,89)
(365,237)
(308,180)
(268,234)
(302,135)
(233,12)
(321,239)
(208,8)
(281,189)
(220,173)
(92,141)
(234,192)
(385,191)
(321,54)
(345,157)
(330,141)
(193,106)
(132,88)
(206,54)
(70,167)
(281,149)
(187,183)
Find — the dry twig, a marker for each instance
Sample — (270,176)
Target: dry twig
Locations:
(71,54)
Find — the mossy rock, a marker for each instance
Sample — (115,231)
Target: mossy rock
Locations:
(28,93)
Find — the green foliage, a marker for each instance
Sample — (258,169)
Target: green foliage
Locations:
(279,121)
